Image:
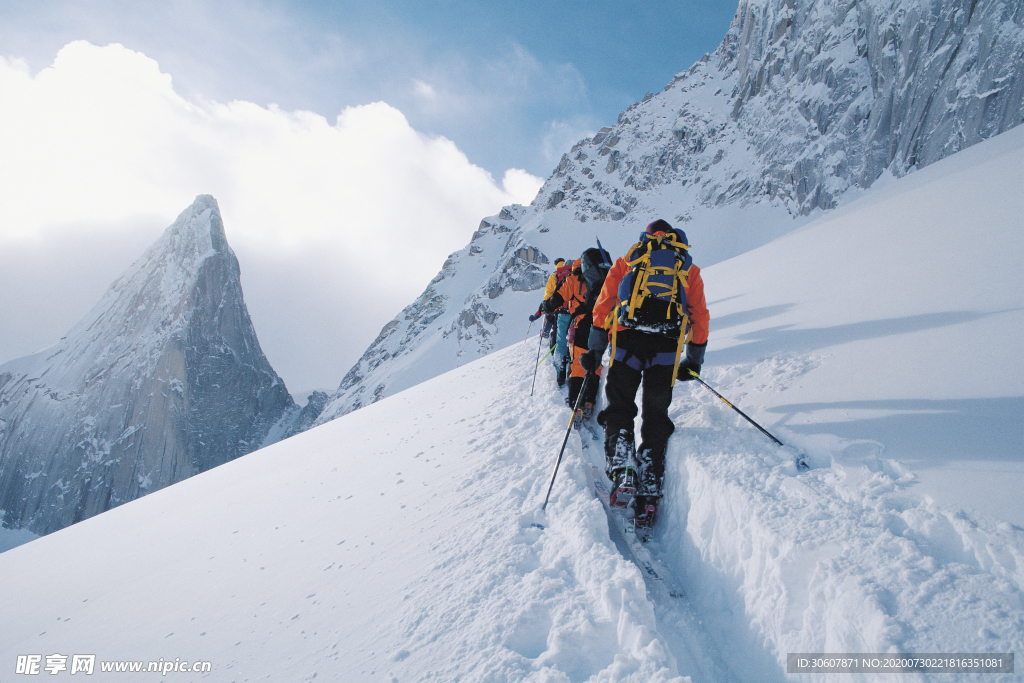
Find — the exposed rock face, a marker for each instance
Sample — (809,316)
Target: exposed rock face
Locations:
(163,379)
(843,90)
(803,101)
(315,404)
(455,312)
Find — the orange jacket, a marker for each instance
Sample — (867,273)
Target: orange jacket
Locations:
(572,293)
(695,304)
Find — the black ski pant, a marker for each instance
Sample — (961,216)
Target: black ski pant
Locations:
(646,360)
(576,385)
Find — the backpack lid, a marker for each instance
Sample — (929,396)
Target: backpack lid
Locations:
(675,234)
(681,236)
(595,263)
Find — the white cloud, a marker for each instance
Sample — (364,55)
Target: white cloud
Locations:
(521,185)
(561,136)
(101,138)
(424,90)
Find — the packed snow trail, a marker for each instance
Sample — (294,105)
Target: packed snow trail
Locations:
(680,626)
(844,558)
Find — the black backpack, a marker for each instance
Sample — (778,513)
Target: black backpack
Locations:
(595,264)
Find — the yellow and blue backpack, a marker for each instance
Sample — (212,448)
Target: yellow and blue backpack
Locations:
(652,296)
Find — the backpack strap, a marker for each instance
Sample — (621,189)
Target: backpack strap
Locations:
(637,277)
(683,334)
(615,331)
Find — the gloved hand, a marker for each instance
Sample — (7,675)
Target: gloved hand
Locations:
(534,317)
(685,366)
(694,359)
(590,361)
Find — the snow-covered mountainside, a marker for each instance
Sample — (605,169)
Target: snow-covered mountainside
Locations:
(398,542)
(803,104)
(163,379)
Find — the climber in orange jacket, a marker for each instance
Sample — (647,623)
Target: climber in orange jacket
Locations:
(572,296)
(651,304)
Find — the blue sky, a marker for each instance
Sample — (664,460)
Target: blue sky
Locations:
(509,83)
(314,124)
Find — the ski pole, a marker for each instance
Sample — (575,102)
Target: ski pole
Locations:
(540,341)
(568,431)
(545,356)
(528,332)
(744,415)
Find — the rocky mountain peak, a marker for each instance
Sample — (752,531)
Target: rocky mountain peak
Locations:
(164,378)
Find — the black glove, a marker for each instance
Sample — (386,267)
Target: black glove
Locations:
(551,305)
(685,367)
(590,361)
(694,359)
(534,317)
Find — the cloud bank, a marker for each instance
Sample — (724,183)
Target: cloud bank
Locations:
(336,225)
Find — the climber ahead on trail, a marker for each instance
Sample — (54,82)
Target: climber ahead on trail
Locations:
(577,294)
(557,319)
(652,302)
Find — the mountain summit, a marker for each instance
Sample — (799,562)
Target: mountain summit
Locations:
(804,104)
(163,379)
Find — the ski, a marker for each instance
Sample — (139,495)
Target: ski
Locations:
(651,568)
(624,524)
(584,422)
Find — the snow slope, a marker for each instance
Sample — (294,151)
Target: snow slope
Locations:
(397,543)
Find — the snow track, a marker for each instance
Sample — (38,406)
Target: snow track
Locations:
(844,558)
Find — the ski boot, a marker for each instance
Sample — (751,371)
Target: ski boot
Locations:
(624,487)
(619,451)
(650,467)
(645,511)
(620,458)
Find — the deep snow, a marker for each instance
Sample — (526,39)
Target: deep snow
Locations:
(396,542)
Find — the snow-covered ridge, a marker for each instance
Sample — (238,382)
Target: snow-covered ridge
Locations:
(399,541)
(802,106)
(163,378)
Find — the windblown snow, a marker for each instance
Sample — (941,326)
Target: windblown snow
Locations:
(400,542)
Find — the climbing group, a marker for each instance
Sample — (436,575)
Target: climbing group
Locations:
(649,306)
